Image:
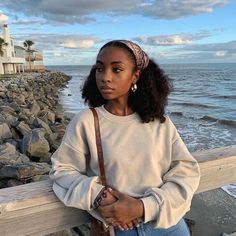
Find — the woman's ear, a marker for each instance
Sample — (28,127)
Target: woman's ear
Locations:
(136,76)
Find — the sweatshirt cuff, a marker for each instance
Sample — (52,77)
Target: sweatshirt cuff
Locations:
(96,190)
(151,208)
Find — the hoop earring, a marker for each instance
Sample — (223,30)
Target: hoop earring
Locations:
(134,88)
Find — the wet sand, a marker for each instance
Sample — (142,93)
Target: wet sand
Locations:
(214,213)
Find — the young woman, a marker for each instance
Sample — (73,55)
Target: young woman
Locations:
(151,174)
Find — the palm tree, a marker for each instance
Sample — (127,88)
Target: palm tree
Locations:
(28,44)
(2,44)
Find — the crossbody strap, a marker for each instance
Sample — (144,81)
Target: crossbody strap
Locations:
(99,148)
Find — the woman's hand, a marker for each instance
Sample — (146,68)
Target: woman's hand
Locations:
(108,198)
(123,212)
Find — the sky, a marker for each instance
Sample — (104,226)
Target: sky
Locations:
(171,31)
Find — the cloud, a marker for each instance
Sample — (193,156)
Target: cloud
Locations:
(55,41)
(220,53)
(81,43)
(174,9)
(212,52)
(3,18)
(83,11)
(213,47)
(173,39)
(26,22)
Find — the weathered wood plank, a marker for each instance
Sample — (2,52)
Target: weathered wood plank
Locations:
(218,167)
(33,209)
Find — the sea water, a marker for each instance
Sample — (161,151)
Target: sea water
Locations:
(202,104)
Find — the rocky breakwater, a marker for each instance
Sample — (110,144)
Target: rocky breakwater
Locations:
(32,124)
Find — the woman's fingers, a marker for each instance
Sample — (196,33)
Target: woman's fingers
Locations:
(136,223)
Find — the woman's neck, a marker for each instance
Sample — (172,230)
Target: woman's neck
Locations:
(118,109)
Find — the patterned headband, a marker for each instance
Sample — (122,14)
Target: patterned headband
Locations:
(141,57)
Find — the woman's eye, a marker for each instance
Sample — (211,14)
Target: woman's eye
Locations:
(98,69)
(117,70)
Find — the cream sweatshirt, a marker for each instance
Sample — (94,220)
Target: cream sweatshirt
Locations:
(144,160)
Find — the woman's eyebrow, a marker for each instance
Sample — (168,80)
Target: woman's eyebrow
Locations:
(117,62)
(113,62)
(100,62)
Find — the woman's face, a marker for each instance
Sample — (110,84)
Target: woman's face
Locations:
(115,73)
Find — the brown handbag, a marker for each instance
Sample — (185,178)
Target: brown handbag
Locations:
(97,227)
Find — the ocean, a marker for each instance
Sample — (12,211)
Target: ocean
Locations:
(202,105)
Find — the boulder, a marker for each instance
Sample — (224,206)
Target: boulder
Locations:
(8,118)
(23,128)
(8,110)
(5,131)
(35,108)
(8,156)
(24,170)
(38,123)
(54,140)
(14,182)
(2,94)
(34,144)
(6,150)
(15,106)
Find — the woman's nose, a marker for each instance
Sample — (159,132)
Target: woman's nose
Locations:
(106,76)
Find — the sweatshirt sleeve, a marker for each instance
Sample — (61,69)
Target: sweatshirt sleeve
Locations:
(167,204)
(70,182)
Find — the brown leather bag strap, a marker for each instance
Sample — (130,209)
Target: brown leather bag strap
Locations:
(99,148)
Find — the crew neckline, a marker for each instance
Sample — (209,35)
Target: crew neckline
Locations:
(116,118)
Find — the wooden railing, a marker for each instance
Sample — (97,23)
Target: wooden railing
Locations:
(33,209)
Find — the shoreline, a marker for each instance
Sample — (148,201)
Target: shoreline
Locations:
(32,124)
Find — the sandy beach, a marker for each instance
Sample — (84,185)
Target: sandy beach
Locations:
(214,213)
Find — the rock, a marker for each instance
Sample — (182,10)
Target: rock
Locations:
(43,116)
(59,129)
(9,155)
(40,177)
(8,118)
(34,144)
(7,149)
(8,110)
(42,105)
(20,99)
(2,94)
(35,108)
(23,128)
(26,112)
(54,140)
(2,88)
(15,106)
(13,182)
(51,116)
(59,117)
(38,123)
(46,158)
(29,114)
(65,232)
(5,131)
(24,170)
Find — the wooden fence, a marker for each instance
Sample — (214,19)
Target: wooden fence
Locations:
(33,209)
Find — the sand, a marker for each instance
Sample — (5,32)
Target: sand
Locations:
(214,213)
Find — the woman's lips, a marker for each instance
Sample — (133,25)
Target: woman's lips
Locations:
(106,89)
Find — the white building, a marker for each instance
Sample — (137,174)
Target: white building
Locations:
(9,63)
(16,58)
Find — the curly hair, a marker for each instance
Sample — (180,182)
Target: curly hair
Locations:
(150,99)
